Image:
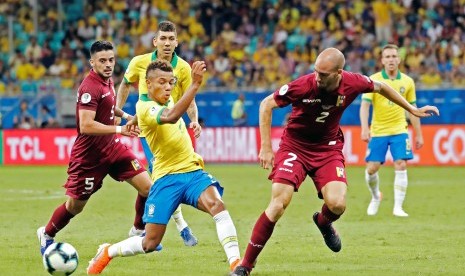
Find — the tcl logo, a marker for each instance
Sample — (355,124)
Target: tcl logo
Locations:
(449,145)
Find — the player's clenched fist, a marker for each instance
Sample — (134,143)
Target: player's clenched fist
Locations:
(198,69)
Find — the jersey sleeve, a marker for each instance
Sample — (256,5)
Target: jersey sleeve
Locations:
(88,98)
(131,75)
(411,96)
(291,92)
(363,83)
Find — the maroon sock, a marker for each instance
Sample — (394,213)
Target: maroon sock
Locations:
(326,217)
(261,233)
(58,221)
(140,206)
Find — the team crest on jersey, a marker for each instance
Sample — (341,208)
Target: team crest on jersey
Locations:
(340,100)
(151,210)
(85,98)
(283,89)
(136,165)
(402,90)
(340,172)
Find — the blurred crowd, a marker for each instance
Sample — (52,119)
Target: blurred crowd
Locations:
(258,44)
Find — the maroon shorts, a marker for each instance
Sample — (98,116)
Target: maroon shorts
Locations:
(323,163)
(85,176)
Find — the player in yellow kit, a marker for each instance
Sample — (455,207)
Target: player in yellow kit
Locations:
(165,42)
(179,175)
(389,130)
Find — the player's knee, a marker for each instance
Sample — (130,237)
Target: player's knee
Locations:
(150,245)
(372,169)
(400,165)
(277,207)
(216,206)
(337,206)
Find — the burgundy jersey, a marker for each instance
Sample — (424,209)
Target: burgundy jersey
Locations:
(316,114)
(97,95)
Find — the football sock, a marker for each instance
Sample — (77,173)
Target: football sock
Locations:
(140,207)
(227,235)
(60,218)
(129,247)
(373,184)
(326,217)
(179,219)
(261,233)
(400,188)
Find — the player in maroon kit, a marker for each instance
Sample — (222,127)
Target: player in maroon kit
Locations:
(312,145)
(97,150)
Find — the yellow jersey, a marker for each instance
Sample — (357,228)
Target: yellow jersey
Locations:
(170,144)
(389,118)
(138,66)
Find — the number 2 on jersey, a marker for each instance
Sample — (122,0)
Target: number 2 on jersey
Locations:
(321,119)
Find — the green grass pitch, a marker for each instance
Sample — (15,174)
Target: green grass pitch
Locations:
(429,242)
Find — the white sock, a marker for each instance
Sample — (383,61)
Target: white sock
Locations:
(179,219)
(129,247)
(400,188)
(227,235)
(373,184)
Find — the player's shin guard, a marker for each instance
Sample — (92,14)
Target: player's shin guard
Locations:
(400,188)
(373,184)
(179,219)
(227,235)
(261,233)
(129,247)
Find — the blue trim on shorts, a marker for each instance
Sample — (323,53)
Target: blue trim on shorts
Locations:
(399,146)
(148,153)
(171,190)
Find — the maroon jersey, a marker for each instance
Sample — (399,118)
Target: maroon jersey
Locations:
(315,114)
(97,95)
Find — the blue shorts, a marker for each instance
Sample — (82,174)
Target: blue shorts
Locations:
(399,146)
(171,190)
(147,152)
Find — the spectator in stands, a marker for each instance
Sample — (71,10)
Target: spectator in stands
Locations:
(238,113)
(24,120)
(431,78)
(46,119)
(33,50)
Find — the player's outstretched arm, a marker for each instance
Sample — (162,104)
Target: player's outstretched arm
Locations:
(172,115)
(392,95)
(266,154)
(89,126)
(193,114)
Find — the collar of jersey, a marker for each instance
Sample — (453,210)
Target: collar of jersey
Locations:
(386,77)
(174,58)
(145,98)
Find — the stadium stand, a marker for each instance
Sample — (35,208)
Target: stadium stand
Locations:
(252,45)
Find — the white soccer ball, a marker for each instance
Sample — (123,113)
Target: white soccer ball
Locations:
(60,258)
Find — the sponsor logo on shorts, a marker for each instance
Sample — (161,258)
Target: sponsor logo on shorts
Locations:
(340,172)
(135,163)
(151,210)
(286,170)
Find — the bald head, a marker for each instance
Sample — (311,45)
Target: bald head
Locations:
(330,59)
(328,69)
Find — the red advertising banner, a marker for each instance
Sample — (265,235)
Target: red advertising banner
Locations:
(48,146)
(444,145)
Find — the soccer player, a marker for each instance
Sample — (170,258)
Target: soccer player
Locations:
(312,145)
(389,130)
(179,175)
(97,150)
(165,42)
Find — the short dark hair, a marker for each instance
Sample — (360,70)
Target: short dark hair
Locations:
(166,26)
(100,45)
(160,65)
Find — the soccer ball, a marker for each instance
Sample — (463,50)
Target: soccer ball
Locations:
(60,258)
